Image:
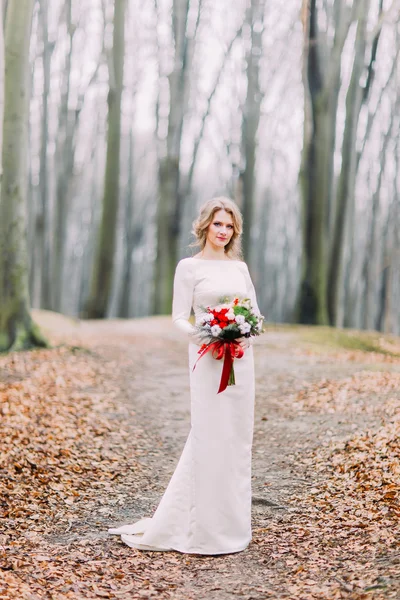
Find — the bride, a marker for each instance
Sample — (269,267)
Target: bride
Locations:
(206,507)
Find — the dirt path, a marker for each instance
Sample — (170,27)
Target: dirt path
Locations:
(148,376)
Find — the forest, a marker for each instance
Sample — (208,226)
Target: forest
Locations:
(118,120)
(121,118)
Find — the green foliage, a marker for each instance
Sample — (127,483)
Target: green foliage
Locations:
(347,338)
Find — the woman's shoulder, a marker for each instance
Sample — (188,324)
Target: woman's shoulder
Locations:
(242,264)
(185,264)
(185,261)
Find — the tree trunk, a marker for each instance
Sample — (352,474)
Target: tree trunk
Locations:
(17,330)
(104,263)
(375,242)
(354,100)
(322,76)
(392,254)
(124,304)
(251,118)
(169,210)
(2,75)
(64,165)
(312,306)
(43,222)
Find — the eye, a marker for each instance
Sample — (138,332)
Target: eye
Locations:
(218,223)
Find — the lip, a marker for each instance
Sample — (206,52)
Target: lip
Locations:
(221,238)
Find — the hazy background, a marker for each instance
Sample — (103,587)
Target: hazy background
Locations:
(217,98)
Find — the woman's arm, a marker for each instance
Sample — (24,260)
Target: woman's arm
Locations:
(183,297)
(251,292)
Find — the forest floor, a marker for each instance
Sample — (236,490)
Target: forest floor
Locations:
(92,430)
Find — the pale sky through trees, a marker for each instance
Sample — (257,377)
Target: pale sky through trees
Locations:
(212,129)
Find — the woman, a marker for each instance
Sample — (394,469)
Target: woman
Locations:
(206,508)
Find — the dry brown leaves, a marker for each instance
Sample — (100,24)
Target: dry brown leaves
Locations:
(68,444)
(52,450)
(349,521)
(372,392)
(61,455)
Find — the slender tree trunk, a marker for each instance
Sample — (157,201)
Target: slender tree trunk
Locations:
(33,203)
(43,222)
(104,264)
(322,76)
(169,210)
(129,238)
(262,243)
(354,100)
(64,165)
(312,306)
(90,246)
(372,261)
(390,308)
(391,267)
(17,330)
(2,76)
(386,291)
(251,118)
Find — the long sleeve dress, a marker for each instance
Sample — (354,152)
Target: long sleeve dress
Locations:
(206,508)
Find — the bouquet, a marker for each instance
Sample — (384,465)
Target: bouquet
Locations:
(222,327)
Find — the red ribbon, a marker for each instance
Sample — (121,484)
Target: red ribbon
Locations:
(220,349)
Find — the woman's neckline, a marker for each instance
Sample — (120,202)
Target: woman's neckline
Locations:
(215,259)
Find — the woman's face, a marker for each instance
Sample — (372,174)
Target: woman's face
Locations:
(221,229)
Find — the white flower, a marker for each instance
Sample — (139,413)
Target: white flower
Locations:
(215,330)
(240,319)
(230,315)
(206,317)
(245,328)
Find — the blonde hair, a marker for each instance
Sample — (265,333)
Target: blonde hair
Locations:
(207,211)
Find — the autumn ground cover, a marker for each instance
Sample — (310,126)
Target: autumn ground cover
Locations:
(91,430)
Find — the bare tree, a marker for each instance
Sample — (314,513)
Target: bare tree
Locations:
(17,329)
(325,214)
(169,210)
(251,117)
(64,166)
(43,219)
(322,83)
(1,81)
(131,235)
(103,269)
(357,95)
(388,314)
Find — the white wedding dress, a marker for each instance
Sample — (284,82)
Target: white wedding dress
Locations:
(206,507)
